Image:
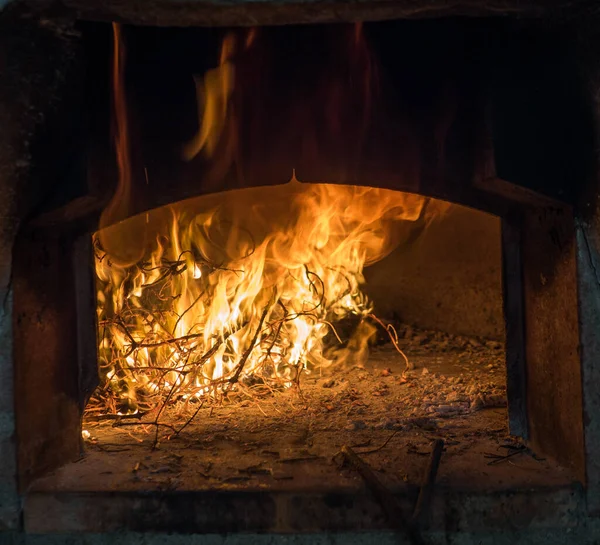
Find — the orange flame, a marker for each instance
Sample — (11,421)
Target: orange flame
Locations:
(213,92)
(126,247)
(258,276)
(238,286)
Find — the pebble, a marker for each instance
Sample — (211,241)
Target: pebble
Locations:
(389,424)
(452,396)
(356,425)
(420,339)
(494,345)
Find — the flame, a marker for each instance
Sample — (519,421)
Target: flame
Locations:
(213,93)
(248,283)
(235,288)
(125,247)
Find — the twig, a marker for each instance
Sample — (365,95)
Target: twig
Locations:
(424,499)
(100,417)
(497,458)
(380,447)
(169,341)
(177,432)
(332,327)
(157,424)
(299,459)
(393,338)
(384,497)
(185,312)
(248,351)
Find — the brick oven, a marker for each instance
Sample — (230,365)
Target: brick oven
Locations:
(465,131)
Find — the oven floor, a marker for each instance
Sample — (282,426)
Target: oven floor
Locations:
(285,447)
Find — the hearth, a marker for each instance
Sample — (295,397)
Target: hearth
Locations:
(241,252)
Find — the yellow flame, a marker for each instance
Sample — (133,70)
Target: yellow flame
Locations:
(213,92)
(125,246)
(248,284)
(250,278)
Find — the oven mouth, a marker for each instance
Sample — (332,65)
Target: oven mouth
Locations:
(416,316)
(256,302)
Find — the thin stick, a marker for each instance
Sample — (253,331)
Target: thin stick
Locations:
(179,318)
(248,351)
(111,416)
(424,499)
(331,326)
(380,447)
(394,340)
(157,424)
(177,432)
(384,497)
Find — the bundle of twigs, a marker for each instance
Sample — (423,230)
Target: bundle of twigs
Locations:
(152,367)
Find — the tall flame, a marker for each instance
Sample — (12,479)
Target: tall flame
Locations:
(240,287)
(125,246)
(213,92)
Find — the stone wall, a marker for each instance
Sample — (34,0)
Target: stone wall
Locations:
(588,268)
(447,277)
(251,13)
(36,59)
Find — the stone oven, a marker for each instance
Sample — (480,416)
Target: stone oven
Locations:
(146,154)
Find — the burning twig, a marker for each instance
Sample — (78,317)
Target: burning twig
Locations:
(333,329)
(180,317)
(164,311)
(248,351)
(206,356)
(160,410)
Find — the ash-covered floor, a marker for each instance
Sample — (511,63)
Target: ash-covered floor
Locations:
(388,414)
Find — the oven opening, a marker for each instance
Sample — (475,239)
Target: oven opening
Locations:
(281,322)
(306,299)
(235,314)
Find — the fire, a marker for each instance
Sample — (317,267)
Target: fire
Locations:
(213,92)
(245,289)
(247,286)
(124,246)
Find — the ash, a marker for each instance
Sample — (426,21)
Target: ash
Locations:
(290,440)
(449,378)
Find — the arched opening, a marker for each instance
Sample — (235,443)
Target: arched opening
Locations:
(249,328)
(294,292)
